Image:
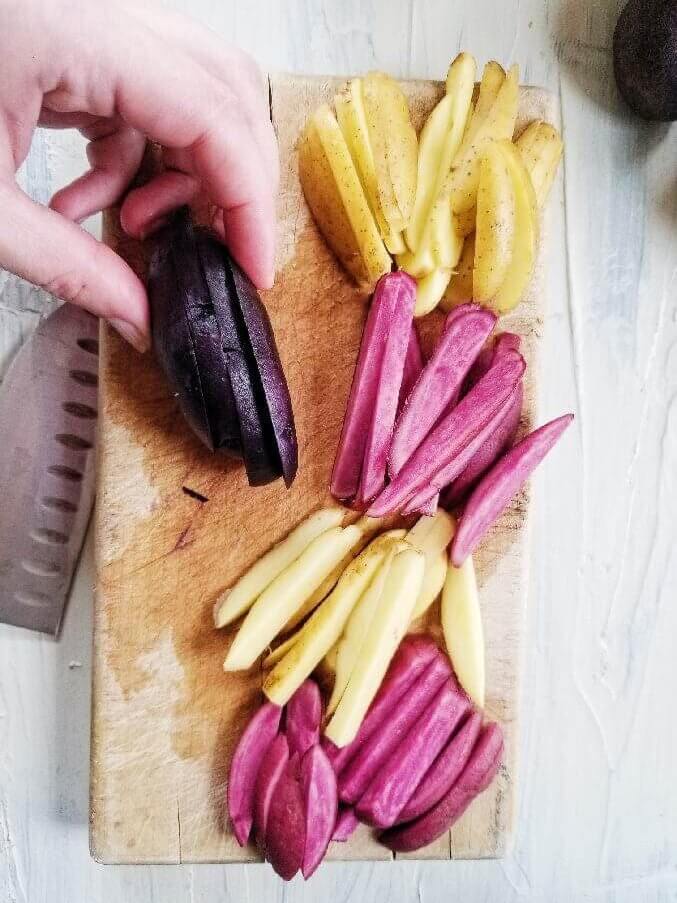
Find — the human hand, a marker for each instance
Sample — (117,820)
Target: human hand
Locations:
(122,72)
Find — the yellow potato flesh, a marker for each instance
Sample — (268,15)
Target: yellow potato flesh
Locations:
(462,627)
(493,77)
(540,146)
(430,291)
(279,652)
(337,200)
(432,535)
(496,124)
(525,237)
(459,290)
(287,593)
(323,628)
(388,626)
(495,224)
(433,581)
(465,222)
(241,596)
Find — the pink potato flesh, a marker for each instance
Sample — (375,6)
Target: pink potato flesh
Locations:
(493,493)
(273,764)
(478,773)
(501,438)
(346,823)
(439,383)
(389,382)
(400,775)
(249,753)
(413,364)
(452,443)
(414,654)
(505,341)
(285,837)
(319,790)
(303,718)
(425,502)
(358,774)
(441,775)
(345,476)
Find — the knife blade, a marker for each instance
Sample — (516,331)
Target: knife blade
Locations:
(48,411)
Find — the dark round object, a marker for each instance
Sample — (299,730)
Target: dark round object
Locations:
(645,57)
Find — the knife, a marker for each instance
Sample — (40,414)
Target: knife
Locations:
(48,411)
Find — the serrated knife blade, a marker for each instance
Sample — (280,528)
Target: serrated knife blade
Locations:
(48,410)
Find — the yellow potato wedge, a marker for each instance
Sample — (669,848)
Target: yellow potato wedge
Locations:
(465,222)
(337,200)
(279,652)
(493,77)
(462,627)
(357,626)
(459,290)
(540,146)
(430,290)
(323,628)
(352,121)
(432,535)
(525,239)
(244,592)
(394,145)
(287,593)
(329,661)
(388,626)
(433,581)
(495,224)
(498,123)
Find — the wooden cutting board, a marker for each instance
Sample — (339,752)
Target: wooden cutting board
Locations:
(165,716)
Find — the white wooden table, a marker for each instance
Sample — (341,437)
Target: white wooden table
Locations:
(598,806)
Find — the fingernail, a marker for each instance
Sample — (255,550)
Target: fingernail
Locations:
(131,334)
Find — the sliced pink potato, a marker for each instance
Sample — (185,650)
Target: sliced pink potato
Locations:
(425,502)
(346,823)
(303,717)
(505,341)
(413,364)
(285,837)
(273,764)
(319,790)
(496,489)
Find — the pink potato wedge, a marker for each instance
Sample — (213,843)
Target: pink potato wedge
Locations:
(439,383)
(449,447)
(358,774)
(321,799)
(346,823)
(303,718)
(505,341)
(479,771)
(425,502)
(285,837)
(345,478)
(273,764)
(493,493)
(441,775)
(401,774)
(249,752)
(413,364)
(414,654)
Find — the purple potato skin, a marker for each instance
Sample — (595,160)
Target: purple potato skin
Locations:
(270,771)
(285,838)
(303,717)
(321,799)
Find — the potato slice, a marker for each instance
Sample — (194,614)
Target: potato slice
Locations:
(459,290)
(498,123)
(430,290)
(388,626)
(465,222)
(352,120)
(495,224)
(323,628)
(287,593)
(242,594)
(433,581)
(279,652)
(462,627)
(357,626)
(493,77)
(337,201)
(541,146)
(394,145)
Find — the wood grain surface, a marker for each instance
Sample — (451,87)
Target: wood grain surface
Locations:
(165,716)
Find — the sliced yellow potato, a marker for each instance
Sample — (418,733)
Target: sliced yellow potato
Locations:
(541,146)
(432,535)
(279,652)
(430,290)
(242,594)
(495,224)
(330,659)
(417,263)
(445,241)
(357,626)
(525,239)
(465,222)
(323,628)
(433,581)
(496,124)
(287,593)
(394,145)
(493,77)
(462,627)
(459,290)
(337,200)
(388,626)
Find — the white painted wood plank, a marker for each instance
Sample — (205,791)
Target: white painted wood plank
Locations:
(598,804)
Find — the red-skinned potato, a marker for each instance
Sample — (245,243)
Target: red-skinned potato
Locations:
(273,764)
(442,774)
(244,768)
(285,837)
(303,718)
(478,773)
(321,800)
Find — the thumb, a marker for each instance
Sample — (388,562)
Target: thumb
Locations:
(47,249)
